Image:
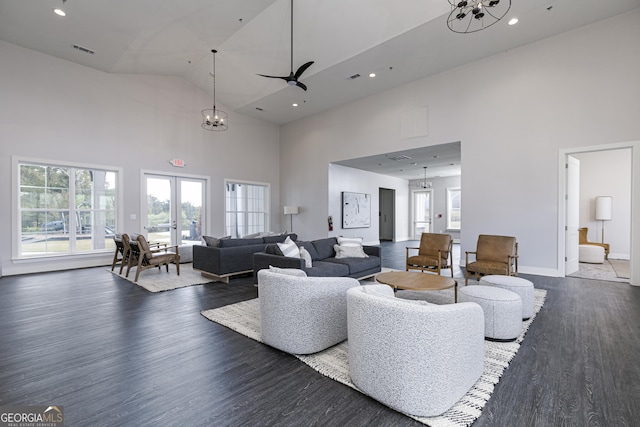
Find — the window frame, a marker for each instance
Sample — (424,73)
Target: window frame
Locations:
(16,210)
(266,212)
(450,191)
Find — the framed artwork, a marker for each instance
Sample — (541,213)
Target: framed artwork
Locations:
(356,210)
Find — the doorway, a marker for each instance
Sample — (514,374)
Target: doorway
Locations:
(173,210)
(421,213)
(387,220)
(603,170)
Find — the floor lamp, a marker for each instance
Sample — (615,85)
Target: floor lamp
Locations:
(603,210)
(291,211)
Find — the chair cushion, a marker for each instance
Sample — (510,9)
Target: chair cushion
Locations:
(488,267)
(431,243)
(495,248)
(426,260)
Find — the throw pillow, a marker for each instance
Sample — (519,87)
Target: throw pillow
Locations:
(288,271)
(214,242)
(289,248)
(350,241)
(349,252)
(306,256)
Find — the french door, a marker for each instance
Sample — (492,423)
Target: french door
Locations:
(174,208)
(422,207)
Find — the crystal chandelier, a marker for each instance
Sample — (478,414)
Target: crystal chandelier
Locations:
(214,118)
(424,184)
(469,16)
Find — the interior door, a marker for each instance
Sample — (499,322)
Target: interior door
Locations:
(174,210)
(387,213)
(421,213)
(572,209)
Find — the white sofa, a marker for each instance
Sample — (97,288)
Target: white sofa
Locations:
(415,357)
(300,314)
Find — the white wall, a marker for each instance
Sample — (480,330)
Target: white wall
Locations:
(341,179)
(607,173)
(59,111)
(512,117)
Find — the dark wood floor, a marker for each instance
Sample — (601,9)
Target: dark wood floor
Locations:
(114,354)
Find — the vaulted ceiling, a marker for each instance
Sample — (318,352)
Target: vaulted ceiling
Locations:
(401,41)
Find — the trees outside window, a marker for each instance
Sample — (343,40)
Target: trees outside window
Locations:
(65,210)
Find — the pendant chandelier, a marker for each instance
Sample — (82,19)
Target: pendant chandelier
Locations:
(213,118)
(469,16)
(424,184)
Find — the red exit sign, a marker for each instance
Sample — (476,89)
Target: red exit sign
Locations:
(178,163)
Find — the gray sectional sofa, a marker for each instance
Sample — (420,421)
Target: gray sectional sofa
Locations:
(231,256)
(324,262)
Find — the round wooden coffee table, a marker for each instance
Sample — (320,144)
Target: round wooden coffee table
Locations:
(411,281)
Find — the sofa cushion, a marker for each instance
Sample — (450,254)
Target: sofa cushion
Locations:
(289,248)
(324,247)
(349,252)
(230,243)
(350,241)
(304,254)
(214,242)
(355,265)
(327,269)
(310,248)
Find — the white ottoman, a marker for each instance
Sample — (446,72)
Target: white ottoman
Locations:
(502,310)
(186,253)
(520,286)
(591,254)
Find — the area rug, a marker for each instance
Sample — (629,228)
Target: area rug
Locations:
(604,271)
(244,317)
(155,280)
(621,267)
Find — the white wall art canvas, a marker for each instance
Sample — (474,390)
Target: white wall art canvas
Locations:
(356,210)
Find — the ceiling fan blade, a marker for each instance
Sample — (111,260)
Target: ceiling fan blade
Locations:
(301,85)
(303,68)
(275,77)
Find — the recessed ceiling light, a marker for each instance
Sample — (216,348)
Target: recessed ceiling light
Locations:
(372,75)
(513,21)
(59,12)
(294,104)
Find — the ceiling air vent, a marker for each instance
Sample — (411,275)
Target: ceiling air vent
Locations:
(355,76)
(400,157)
(83,49)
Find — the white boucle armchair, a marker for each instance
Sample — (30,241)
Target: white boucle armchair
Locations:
(415,357)
(300,314)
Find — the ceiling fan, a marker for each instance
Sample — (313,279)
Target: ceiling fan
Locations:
(292,78)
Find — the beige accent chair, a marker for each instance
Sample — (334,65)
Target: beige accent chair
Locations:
(583,240)
(145,257)
(493,255)
(434,254)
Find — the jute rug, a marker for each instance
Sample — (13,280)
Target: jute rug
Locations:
(155,280)
(244,317)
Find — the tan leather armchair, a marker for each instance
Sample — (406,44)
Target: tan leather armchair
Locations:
(583,240)
(145,257)
(434,253)
(493,255)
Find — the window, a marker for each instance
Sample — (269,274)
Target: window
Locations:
(246,208)
(65,210)
(453,208)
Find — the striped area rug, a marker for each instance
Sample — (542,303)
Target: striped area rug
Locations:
(244,318)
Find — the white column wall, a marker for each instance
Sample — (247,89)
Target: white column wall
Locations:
(513,113)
